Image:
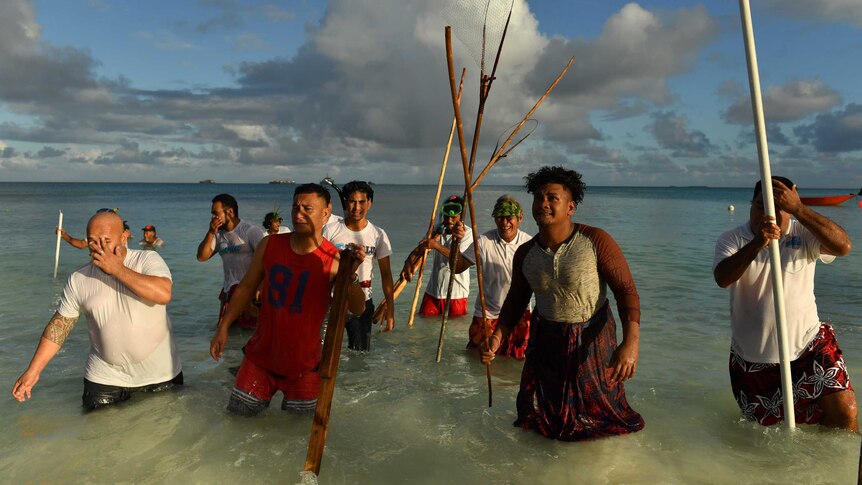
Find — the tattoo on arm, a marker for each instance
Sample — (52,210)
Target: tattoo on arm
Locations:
(58,328)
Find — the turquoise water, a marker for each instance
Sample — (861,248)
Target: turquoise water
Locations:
(397,416)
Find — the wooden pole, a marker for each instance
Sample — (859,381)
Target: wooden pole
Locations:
(431,224)
(329,362)
(415,302)
(496,156)
(456,106)
(401,283)
(769,206)
(414,260)
(57,249)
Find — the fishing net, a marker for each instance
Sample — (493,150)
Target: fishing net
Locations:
(521,134)
(478,25)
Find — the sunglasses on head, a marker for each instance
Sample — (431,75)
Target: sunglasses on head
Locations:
(114,210)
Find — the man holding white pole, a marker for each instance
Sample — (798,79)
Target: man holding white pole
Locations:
(821,387)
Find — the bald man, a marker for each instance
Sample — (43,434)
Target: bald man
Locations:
(123,293)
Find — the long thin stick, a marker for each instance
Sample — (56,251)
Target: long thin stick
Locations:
(769,206)
(329,363)
(415,302)
(414,259)
(502,148)
(419,263)
(57,250)
(431,224)
(456,106)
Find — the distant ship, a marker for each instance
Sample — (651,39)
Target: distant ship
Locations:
(207,181)
(284,181)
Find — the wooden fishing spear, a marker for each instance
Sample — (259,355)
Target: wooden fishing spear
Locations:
(329,362)
(431,224)
(455,251)
(485,82)
(413,259)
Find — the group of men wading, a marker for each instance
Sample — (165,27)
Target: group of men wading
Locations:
(280,284)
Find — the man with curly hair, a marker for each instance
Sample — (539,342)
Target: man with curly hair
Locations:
(572,380)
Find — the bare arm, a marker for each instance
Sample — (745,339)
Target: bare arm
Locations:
(462,264)
(732,267)
(52,339)
(240,299)
(206,249)
(514,305)
(77,243)
(833,239)
(388,292)
(435,245)
(624,361)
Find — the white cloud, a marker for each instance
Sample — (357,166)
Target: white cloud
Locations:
(793,101)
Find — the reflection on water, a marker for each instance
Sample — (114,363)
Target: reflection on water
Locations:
(397,416)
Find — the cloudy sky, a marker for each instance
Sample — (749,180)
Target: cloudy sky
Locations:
(251,91)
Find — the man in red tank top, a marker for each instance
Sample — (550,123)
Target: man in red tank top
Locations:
(297,270)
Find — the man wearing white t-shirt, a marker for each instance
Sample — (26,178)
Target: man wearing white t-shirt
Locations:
(434,299)
(235,241)
(124,293)
(497,250)
(822,392)
(355,228)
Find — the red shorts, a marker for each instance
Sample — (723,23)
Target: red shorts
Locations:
(246,319)
(263,384)
(514,345)
(434,306)
(818,372)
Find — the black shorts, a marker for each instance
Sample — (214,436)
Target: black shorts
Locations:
(99,395)
(359,328)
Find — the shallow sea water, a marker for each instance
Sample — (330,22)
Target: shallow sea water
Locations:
(397,416)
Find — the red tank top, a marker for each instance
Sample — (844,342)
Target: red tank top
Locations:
(294,300)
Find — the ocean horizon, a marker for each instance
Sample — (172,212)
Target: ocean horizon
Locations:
(397,416)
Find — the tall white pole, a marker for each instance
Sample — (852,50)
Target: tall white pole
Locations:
(57,251)
(769,206)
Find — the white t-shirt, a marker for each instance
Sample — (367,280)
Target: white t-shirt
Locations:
(236,249)
(439,282)
(496,255)
(375,240)
(131,341)
(333,218)
(752,309)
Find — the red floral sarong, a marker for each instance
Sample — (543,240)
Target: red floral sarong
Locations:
(514,345)
(818,372)
(566,392)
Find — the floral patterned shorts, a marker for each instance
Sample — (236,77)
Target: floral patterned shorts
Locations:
(818,372)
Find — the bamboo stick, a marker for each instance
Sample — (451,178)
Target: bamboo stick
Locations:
(415,302)
(430,231)
(434,211)
(456,106)
(329,363)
